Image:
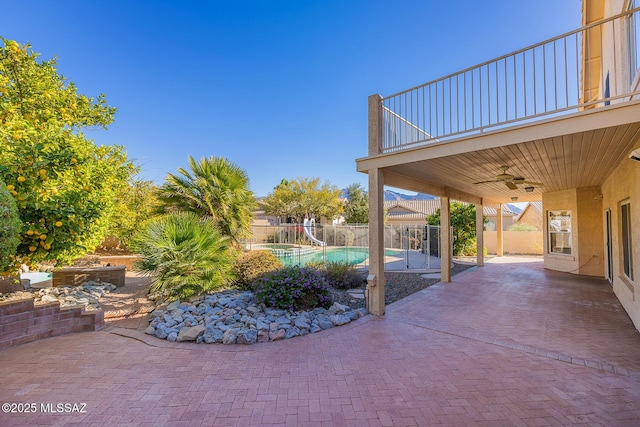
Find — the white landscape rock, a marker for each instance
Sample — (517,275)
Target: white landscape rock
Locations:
(233,317)
(87,294)
(191,333)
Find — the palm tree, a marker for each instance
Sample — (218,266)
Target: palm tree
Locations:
(185,255)
(214,187)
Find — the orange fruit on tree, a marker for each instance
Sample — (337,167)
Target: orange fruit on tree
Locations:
(32,248)
(21,179)
(43,237)
(58,223)
(10,187)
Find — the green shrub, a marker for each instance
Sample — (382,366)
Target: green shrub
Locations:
(293,288)
(10,226)
(316,265)
(252,265)
(522,226)
(341,275)
(185,256)
(468,248)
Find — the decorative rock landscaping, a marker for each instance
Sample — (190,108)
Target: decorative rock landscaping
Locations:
(88,294)
(233,317)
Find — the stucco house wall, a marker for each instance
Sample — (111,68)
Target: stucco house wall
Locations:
(587,253)
(515,242)
(624,186)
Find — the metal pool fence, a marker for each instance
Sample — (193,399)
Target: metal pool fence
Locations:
(406,246)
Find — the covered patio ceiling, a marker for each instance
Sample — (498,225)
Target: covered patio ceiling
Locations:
(571,151)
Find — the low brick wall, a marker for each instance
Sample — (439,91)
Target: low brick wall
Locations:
(22,322)
(76,276)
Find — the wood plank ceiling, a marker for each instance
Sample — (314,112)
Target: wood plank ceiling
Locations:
(572,160)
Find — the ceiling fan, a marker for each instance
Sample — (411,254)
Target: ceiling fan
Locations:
(509,180)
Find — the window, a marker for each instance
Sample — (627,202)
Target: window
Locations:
(560,232)
(627,253)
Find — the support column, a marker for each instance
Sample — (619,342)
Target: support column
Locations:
(479,235)
(499,237)
(445,240)
(376,280)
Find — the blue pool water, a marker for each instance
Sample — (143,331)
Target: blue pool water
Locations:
(353,256)
(36,276)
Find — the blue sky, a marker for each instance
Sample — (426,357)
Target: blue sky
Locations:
(278,87)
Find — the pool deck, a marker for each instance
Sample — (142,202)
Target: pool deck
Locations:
(506,344)
(417,263)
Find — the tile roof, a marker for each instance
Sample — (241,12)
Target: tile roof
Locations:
(421,208)
(537,205)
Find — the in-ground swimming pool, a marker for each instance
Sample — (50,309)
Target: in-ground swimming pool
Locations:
(284,251)
(353,256)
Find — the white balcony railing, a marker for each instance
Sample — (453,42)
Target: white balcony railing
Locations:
(587,68)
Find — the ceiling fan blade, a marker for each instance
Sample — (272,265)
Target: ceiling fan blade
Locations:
(511,185)
(486,182)
(537,184)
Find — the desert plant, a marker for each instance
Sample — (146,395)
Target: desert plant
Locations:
(341,275)
(10,225)
(185,255)
(293,288)
(252,265)
(214,187)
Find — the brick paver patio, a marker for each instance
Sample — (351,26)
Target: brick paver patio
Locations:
(505,344)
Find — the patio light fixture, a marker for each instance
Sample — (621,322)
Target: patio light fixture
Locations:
(529,189)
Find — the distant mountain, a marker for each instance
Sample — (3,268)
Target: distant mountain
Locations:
(392,195)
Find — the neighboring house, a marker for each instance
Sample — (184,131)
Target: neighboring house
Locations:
(505,132)
(415,212)
(531,215)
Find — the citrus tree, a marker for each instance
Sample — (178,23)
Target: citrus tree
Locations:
(63,184)
(304,197)
(136,203)
(9,229)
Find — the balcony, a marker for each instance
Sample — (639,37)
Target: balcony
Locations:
(591,67)
(562,114)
